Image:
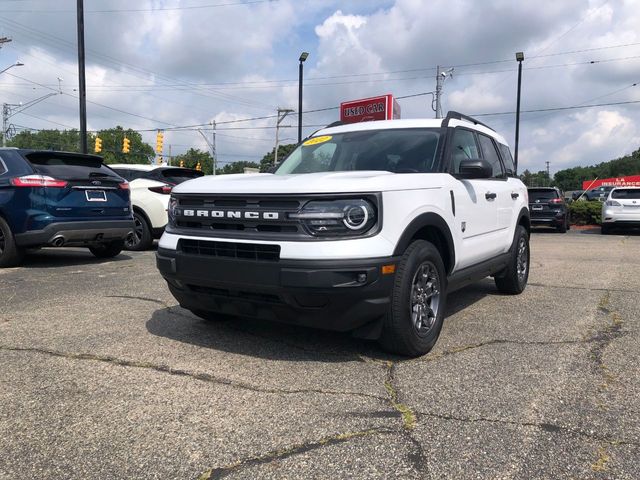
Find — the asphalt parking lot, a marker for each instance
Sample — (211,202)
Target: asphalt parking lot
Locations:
(103,376)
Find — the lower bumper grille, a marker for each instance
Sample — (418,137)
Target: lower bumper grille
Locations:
(244,251)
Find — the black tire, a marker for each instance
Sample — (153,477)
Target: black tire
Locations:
(605,229)
(513,279)
(411,327)
(107,250)
(564,227)
(211,316)
(10,254)
(140,238)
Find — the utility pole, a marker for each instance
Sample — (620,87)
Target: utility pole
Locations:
(5,119)
(548,175)
(441,76)
(213,146)
(82,85)
(282,113)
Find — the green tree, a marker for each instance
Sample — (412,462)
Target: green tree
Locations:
(236,167)
(63,140)
(283,151)
(192,157)
(140,152)
(540,179)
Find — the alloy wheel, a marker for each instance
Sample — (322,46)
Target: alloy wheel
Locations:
(522,259)
(425,298)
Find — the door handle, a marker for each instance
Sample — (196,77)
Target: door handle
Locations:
(490,196)
(515,195)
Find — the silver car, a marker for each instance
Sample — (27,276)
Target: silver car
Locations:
(621,209)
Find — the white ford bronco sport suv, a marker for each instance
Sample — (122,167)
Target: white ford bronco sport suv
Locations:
(365,227)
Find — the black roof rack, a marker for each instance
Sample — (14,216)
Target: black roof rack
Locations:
(461,116)
(335,124)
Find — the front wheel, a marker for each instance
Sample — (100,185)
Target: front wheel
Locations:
(414,320)
(513,279)
(107,250)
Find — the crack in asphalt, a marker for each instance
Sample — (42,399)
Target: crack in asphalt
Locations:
(577,287)
(144,299)
(221,472)
(205,377)
(547,427)
(603,338)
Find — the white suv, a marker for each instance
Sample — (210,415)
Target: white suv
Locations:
(150,188)
(621,209)
(364,227)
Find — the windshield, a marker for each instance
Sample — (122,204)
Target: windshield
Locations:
(542,195)
(630,193)
(69,166)
(179,175)
(393,150)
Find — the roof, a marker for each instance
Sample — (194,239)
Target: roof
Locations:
(138,166)
(408,123)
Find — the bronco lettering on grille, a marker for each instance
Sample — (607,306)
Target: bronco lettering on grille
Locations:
(231,214)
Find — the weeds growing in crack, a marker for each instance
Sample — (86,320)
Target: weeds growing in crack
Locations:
(600,465)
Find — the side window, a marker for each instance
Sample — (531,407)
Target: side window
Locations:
(507,159)
(464,147)
(490,154)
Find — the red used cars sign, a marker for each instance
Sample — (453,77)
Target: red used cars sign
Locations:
(384,107)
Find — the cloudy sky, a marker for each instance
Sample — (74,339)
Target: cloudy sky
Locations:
(173,63)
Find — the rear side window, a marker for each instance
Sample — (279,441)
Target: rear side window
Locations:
(507,159)
(69,166)
(491,155)
(179,175)
(626,193)
(542,195)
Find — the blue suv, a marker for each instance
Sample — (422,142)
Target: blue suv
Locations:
(60,199)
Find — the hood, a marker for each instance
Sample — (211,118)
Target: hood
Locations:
(323,182)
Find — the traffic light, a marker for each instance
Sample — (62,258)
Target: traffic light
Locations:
(98,146)
(198,167)
(159,142)
(181,163)
(126,145)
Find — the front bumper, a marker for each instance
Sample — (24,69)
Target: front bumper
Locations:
(329,294)
(76,233)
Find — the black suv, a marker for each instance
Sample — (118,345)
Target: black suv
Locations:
(60,199)
(548,208)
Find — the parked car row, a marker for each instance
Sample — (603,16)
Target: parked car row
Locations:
(620,207)
(57,199)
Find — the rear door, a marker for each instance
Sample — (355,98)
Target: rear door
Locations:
(87,188)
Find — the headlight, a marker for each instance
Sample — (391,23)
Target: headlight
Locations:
(346,217)
(171,211)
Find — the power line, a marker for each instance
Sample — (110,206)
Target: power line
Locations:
(129,10)
(557,109)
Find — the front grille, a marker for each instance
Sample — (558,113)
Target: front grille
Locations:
(244,251)
(249,296)
(254,215)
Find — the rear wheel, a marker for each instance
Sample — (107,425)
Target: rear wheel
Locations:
(10,254)
(415,317)
(605,229)
(564,227)
(513,279)
(107,250)
(140,238)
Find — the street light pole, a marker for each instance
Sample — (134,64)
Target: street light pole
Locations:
(519,58)
(81,76)
(17,64)
(303,57)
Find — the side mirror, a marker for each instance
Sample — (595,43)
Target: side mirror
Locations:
(475,168)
